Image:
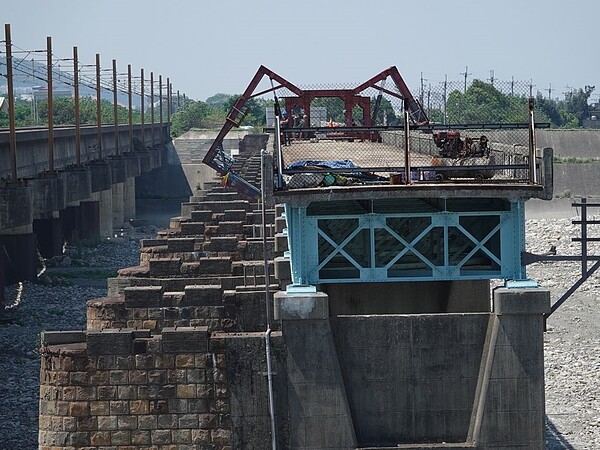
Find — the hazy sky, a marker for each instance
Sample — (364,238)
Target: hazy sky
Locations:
(208,46)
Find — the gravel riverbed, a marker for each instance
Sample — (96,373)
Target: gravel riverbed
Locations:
(572,341)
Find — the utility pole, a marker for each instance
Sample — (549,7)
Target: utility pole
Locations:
(549,90)
(512,86)
(531,86)
(130,101)
(169,103)
(50,105)
(492,77)
(445,118)
(115,109)
(98,108)
(142,108)
(152,105)
(76,101)
(160,108)
(466,74)
(11,103)
(422,89)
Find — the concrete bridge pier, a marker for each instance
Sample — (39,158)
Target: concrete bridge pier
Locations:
(49,234)
(17,240)
(105,212)
(49,196)
(118,213)
(129,199)
(19,254)
(89,220)
(70,222)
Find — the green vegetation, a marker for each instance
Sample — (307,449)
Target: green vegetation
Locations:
(64,112)
(213,112)
(481,102)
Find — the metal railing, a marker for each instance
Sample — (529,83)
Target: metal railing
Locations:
(355,156)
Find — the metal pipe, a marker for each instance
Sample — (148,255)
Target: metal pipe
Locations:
(76,103)
(11,104)
(50,106)
(267,302)
(98,108)
(115,107)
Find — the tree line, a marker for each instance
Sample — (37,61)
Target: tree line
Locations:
(481,102)
(29,113)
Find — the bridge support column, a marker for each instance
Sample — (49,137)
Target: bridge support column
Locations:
(19,255)
(105,212)
(117,205)
(89,220)
(129,199)
(509,401)
(70,222)
(16,219)
(49,234)
(319,395)
(2,284)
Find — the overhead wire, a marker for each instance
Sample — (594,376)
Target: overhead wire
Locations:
(62,74)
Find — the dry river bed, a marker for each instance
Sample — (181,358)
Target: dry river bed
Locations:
(572,341)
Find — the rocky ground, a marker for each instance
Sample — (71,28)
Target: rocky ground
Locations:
(572,342)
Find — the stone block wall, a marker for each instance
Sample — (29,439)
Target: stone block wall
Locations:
(125,390)
(146,374)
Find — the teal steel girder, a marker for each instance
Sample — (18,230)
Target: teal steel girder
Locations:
(469,245)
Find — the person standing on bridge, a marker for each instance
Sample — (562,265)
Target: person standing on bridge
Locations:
(285,125)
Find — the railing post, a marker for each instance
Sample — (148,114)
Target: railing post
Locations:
(584,249)
(406,142)
(532,162)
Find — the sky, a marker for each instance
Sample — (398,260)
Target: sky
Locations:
(208,46)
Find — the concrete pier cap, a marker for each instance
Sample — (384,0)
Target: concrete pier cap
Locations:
(521,301)
(101,172)
(119,169)
(16,206)
(132,164)
(304,303)
(78,181)
(49,193)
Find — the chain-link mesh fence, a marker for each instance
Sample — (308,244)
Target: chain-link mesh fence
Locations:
(477,132)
